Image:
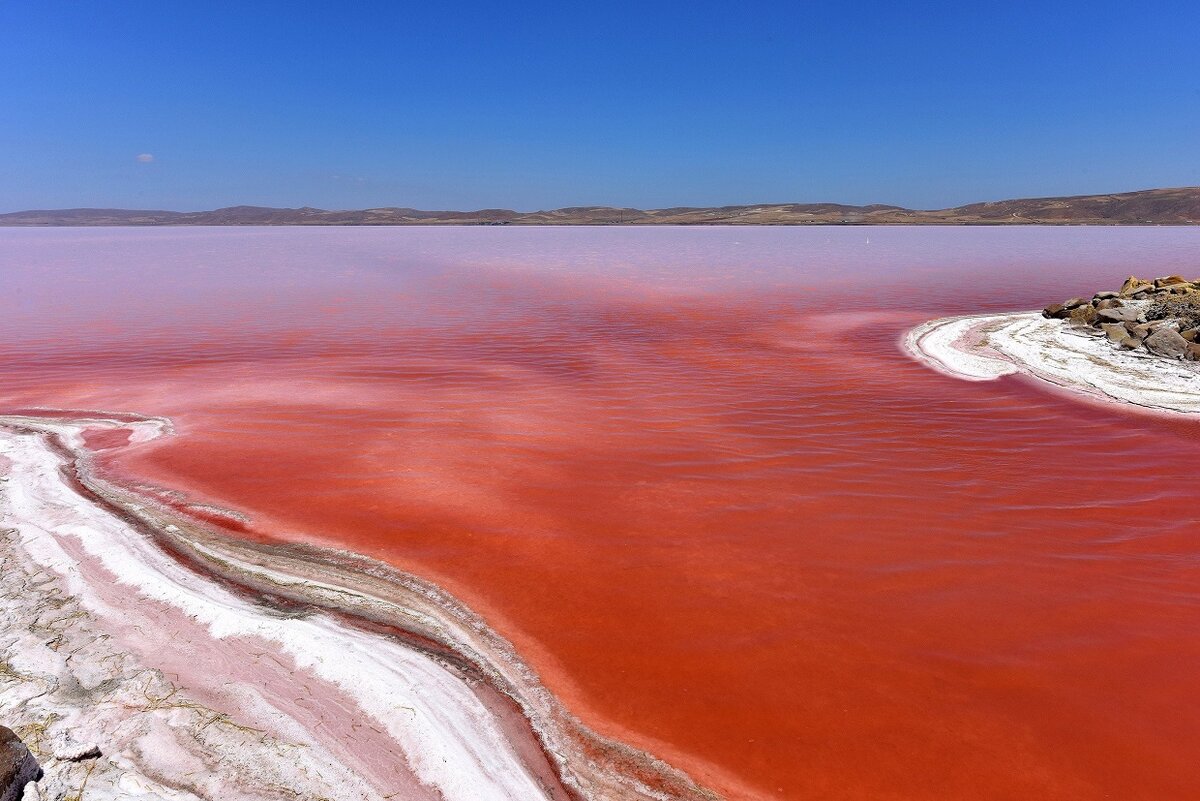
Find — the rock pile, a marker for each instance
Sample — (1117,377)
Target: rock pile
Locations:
(1160,316)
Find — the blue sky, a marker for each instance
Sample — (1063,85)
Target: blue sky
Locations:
(539,105)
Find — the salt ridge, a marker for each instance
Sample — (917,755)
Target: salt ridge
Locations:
(987,347)
(421,722)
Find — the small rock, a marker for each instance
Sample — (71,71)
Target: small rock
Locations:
(1167,342)
(1131,343)
(1054,311)
(1190,334)
(74,751)
(1073,303)
(17,766)
(1193,352)
(1105,296)
(1107,303)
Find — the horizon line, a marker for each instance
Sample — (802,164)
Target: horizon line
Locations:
(590,207)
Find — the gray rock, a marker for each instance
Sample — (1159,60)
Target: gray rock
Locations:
(17,766)
(1105,295)
(1073,303)
(1167,342)
(1121,315)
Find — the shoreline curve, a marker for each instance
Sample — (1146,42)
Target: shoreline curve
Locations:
(201,666)
(985,347)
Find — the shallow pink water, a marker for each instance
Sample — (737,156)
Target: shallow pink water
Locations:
(688,473)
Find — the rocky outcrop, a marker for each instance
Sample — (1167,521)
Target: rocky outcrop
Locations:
(17,766)
(1159,316)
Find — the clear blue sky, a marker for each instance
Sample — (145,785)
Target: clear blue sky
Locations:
(537,105)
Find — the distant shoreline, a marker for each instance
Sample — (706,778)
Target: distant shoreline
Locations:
(1179,206)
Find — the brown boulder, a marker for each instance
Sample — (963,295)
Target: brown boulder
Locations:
(1086,314)
(1134,284)
(1105,295)
(1055,311)
(1193,352)
(1131,342)
(1073,303)
(1114,331)
(1167,342)
(1190,334)
(17,766)
(1170,280)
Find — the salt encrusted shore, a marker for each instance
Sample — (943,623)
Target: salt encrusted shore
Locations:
(147,656)
(988,346)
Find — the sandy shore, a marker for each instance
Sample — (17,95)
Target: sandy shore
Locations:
(148,657)
(986,347)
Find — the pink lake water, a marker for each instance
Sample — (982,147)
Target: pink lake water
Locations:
(688,473)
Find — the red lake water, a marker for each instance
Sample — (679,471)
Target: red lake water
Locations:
(689,473)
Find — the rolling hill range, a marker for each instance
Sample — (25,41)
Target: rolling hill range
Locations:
(1179,206)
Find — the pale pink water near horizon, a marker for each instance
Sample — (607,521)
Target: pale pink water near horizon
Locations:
(688,473)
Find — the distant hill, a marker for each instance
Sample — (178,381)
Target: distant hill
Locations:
(1150,207)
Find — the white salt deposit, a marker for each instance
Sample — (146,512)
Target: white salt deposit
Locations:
(986,347)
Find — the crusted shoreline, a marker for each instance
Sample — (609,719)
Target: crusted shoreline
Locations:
(1085,364)
(188,665)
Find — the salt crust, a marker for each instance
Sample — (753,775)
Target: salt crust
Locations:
(986,347)
(65,679)
(177,662)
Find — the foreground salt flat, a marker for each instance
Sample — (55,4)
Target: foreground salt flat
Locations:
(200,669)
(986,347)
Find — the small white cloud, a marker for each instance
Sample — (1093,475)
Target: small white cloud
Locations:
(145,158)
